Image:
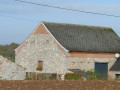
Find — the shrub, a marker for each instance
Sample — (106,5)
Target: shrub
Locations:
(96,76)
(93,75)
(28,78)
(53,77)
(118,78)
(73,76)
(39,68)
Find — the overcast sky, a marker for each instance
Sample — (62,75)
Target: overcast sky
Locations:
(17,30)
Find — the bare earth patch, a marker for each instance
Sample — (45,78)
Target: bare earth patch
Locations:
(59,85)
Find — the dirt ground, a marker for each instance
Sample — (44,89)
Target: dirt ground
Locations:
(59,85)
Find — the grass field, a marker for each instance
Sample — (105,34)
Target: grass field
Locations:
(59,85)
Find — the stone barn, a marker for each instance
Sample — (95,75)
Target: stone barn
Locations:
(62,48)
(10,70)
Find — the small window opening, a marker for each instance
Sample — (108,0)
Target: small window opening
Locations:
(40,65)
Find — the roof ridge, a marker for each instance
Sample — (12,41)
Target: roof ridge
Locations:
(79,25)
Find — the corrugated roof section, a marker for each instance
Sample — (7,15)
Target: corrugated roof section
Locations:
(85,38)
(116,66)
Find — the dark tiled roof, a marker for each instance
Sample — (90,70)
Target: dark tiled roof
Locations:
(85,38)
(116,66)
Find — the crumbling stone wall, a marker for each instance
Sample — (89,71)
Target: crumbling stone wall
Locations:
(10,70)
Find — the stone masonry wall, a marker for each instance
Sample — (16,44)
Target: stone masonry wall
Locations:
(87,64)
(10,70)
(42,47)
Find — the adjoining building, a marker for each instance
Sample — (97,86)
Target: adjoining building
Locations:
(10,70)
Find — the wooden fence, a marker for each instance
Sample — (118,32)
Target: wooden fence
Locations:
(40,76)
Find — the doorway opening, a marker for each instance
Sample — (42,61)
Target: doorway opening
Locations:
(101,69)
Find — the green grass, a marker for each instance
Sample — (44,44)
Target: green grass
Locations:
(11,59)
(73,76)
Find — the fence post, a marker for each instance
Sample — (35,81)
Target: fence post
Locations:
(63,77)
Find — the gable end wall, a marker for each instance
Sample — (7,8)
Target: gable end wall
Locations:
(41,46)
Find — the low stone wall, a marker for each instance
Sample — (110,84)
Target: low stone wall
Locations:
(10,70)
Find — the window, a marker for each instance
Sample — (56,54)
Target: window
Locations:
(40,65)
(117,75)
